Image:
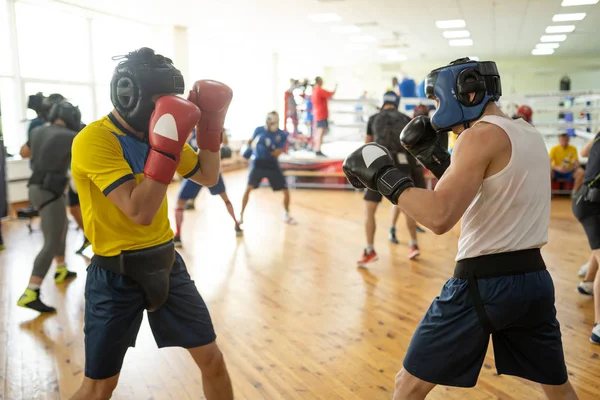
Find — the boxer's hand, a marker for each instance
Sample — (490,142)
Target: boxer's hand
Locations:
(371,166)
(170,125)
(420,139)
(213,99)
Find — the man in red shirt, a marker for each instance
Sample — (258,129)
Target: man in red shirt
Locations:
(319,98)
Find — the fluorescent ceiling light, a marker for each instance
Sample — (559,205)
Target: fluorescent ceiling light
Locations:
(327,17)
(553,38)
(560,29)
(456,34)
(570,3)
(364,39)
(474,58)
(568,17)
(460,42)
(451,24)
(345,29)
(547,45)
(542,52)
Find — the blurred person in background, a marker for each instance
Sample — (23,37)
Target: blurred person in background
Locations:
(565,163)
(320,98)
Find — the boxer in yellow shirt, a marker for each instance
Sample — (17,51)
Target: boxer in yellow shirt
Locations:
(122,165)
(565,163)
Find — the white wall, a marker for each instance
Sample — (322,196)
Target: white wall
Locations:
(529,75)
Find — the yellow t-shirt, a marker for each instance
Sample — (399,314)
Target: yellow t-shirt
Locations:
(104,156)
(563,156)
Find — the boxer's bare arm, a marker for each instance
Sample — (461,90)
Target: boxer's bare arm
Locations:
(481,151)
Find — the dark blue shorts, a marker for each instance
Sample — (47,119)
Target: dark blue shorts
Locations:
(272,173)
(323,123)
(189,189)
(72,198)
(449,345)
(566,176)
(114,308)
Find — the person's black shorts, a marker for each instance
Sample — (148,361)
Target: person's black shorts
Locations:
(114,308)
(449,345)
(272,172)
(588,215)
(72,198)
(323,123)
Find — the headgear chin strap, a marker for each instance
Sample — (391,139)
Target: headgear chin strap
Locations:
(454,83)
(135,80)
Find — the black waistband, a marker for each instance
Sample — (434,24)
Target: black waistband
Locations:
(115,263)
(501,264)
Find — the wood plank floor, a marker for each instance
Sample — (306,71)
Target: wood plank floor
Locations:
(294,317)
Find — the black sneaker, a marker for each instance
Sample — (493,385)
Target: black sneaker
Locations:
(85,245)
(31,299)
(392,236)
(238,231)
(177,242)
(190,206)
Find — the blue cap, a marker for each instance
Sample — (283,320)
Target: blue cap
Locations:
(391,98)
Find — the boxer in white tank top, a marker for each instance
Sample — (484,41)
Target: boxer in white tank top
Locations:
(498,182)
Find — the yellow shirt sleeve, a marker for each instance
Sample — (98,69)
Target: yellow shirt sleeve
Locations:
(188,162)
(97,155)
(553,156)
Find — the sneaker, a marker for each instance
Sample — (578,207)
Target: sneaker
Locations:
(190,206)
(583,270)
(238,231)
(586,288)
(241,219)
(31,299)
(413,251)
(392,236)
(62,275)
(289,220)
(367,258)
(84,246)
(177,242)
(320,154)
(420,230)
(595,337)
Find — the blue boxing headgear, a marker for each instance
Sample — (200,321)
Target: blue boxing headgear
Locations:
(140,76)
(452,85)
(391,98)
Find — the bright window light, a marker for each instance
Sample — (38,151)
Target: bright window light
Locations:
(570,3)
(357,47)
(451,24)
(542,52)
(364,39)
(568,17)
(560,29)
(553,38)
(456,34)
(547,45)
(345,29)
(460,42)
(326,17)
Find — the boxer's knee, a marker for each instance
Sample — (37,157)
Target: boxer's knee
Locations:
(97,389)
(409,387)
(209,359)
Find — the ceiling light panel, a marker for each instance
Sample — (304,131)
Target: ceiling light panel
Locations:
(553,38)
(456,34)
(570,3)
(568,17)
(451,24)
(560,29)
(542,52)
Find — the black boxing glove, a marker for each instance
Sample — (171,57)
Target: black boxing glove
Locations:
(420,139)
(372,166)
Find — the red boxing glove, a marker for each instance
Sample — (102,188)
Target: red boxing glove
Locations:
(170,125)
(213,99)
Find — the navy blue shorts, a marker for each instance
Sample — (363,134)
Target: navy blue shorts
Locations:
(568,176)
(72,198)
(114,308)
(449,345)
(323,123)
(272,173)
(188,190)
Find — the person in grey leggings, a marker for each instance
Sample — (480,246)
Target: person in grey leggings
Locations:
(50,151)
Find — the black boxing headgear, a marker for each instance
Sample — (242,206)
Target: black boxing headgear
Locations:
(35,102)
(66,112)
(141,75)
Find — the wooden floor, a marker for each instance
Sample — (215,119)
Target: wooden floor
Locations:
(294,317)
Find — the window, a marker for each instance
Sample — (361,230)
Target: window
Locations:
(64,55)
(13,132)
(79,95)
(5,50)
(103,103)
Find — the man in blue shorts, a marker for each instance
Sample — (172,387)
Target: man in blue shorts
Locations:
(189,190)
(267,143)
(122,166)
(498,183)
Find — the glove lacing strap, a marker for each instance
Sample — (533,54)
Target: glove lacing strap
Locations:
(392,182)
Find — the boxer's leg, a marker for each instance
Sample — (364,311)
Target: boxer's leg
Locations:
(219,189)
(372,200)
(560,392)
(255,176)
(409,387)
(185,321)
(413,246)
(394,222)
(586,286)
(595,337)
(188,190)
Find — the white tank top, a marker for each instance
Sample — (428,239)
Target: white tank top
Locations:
(512,208)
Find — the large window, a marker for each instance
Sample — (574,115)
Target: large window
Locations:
(12,129)
(53,45)
(79,95)
(5,50)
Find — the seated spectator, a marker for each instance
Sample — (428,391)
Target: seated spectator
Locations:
(565,163)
